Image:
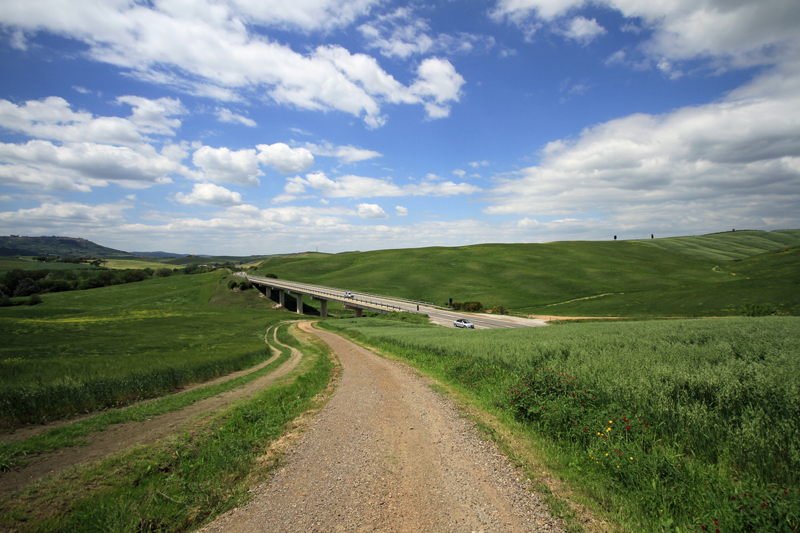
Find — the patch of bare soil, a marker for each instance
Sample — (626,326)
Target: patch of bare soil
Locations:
(121,436)
(389,454)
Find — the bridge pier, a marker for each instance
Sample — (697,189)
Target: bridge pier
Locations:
(263,289)
(280,297)
(299,298)
(323,305)
(357,310)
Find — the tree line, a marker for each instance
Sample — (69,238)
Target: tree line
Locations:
(18,283)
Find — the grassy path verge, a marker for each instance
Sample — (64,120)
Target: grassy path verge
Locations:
(103,435)
(15,453)
(183,480)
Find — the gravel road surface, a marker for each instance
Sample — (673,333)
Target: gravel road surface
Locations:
(389,454)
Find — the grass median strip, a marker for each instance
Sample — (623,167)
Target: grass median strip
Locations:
(14,453)
(184,480)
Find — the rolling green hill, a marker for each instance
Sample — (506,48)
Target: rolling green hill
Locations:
(729,245)
(625,278)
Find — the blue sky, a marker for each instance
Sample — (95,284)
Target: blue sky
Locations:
(245,127)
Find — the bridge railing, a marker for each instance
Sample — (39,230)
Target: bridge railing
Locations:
(315,291)
(339,297)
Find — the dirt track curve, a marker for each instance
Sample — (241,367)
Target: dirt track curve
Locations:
(389,454)
(121,436)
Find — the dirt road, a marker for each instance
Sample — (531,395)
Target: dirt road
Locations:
(122,436)
(389,454)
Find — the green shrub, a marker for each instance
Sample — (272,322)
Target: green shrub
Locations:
(34,299)
(26,287)
(162,272)
(499,310)
(472,306)
(758,310)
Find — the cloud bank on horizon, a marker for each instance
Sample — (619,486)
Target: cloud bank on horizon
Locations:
(244,127)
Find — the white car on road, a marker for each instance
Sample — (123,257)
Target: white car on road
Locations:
(463,323)
(348,294)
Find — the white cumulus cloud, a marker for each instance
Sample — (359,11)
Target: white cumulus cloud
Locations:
(92,163)
(371,211)
(221,165)
(583,30)
(209,194)
(71,218)
(212,49)
(705,166)
(53,118)
(733,34)
(285,159)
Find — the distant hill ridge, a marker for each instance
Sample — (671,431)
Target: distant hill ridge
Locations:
(54,246)
(725,246)
(159,255)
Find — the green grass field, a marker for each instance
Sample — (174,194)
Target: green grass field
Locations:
(625,278)
(10,263)
(678,423)
(121,264)
(729,246)
(87,350)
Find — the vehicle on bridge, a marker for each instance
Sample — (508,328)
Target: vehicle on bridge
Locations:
(348,294)
(463,323)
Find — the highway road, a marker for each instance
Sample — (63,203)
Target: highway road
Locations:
(438,315)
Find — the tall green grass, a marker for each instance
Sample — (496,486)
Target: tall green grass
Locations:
(89,350)
(691,421)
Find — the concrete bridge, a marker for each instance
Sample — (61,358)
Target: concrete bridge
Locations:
(359,301)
